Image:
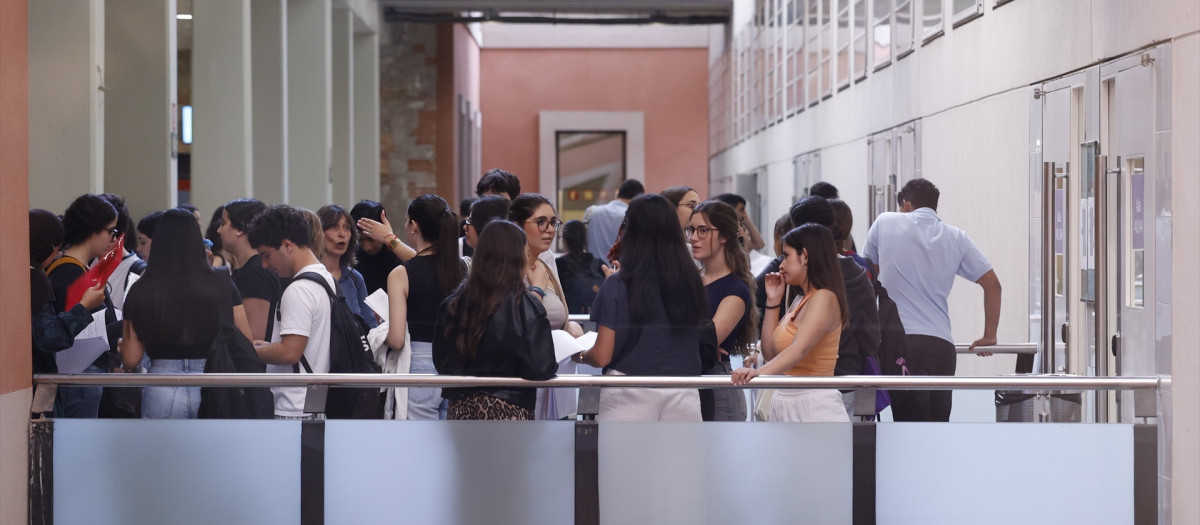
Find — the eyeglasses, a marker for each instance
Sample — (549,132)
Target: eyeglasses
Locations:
(689,205)
(545,225)
(701,232)
(113,231)
(467,221)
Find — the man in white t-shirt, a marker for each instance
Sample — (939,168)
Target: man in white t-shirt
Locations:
(282,236)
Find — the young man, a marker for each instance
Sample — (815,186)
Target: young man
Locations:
(498,182)
(604,220)
(282,236)
(754,239)
(374,262)
(918,256)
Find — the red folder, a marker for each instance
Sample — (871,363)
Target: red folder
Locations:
(100,271)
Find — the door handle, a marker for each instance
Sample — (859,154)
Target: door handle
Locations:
(1116,343)
(1064,331)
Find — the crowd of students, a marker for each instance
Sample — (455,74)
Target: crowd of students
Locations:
(668,279)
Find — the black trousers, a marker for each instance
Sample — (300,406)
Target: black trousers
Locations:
(927,356)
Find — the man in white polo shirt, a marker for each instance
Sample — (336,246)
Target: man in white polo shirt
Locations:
(282,236)
(918,256)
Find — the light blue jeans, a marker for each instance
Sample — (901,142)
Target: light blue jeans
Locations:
(424,404)
(172,402)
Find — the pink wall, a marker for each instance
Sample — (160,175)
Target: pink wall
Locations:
(670,86)
(15,357)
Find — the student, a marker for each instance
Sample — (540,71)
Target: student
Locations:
(416,291)
(498,182)
(725,271)
(581,272)
(51,331)
(493,326)
(90,230)
(340,238)
(754,240)
(282,235)
(118,282)
(221,256)
(685,199)
(648,318)
(172,315)
(483,211)
(145,234)
(373,262)
(805,341)
(259,287)
(603,220)
(844,219)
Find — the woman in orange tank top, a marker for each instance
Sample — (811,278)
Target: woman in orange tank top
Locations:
(805,341)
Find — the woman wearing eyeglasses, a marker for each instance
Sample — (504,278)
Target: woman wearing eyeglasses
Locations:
(90,225)
(534,214)
(725,270)
(685,200)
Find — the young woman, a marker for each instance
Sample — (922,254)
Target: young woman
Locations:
(220,255)
(416,291)
(90,230)
(536,216)
(340,238)
(685,200)
(259,287)
(172,314)
(725,270)
(493,326)
(648,316)
(52,331)
(805,341)
(580,272)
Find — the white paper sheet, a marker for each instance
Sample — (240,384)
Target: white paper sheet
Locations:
(89,344)
(378,302)
(566,346)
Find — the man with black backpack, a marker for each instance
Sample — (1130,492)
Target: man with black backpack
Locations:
(283,235)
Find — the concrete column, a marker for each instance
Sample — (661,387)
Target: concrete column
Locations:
(309,103)
(141,106)
(15,358)
(342,64)
(66,103)
(268,37)
(222,144)
(366,117)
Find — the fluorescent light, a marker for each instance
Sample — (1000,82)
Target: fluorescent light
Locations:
(183,16)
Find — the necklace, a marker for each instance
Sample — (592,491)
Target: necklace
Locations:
(423,250)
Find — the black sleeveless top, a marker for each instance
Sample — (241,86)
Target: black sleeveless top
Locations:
(424,297)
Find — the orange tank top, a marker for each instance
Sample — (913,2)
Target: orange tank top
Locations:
(820,360)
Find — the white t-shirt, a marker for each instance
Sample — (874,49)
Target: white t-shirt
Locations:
(303,310)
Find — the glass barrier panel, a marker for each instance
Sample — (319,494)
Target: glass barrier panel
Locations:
(734,473)
(132,472)
(1048,473)
(431,472)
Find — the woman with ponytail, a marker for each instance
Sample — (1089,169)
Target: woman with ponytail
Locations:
(416,291)
(713,232)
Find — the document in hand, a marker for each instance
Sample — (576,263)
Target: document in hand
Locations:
(566,346)
(378,302)
(89,344)
(98,273)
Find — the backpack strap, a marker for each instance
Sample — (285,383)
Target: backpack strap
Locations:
(66,259)
(316,278)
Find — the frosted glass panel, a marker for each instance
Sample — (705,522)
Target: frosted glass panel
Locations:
(733,473)
(433,472)
(1045,473)
(131,472)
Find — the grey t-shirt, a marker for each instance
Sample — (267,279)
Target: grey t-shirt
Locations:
(659,350)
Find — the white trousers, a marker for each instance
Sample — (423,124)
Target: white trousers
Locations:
(817,405)
(648,404)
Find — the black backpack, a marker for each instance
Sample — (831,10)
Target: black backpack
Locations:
(233,353)
(892,347)
(349,353)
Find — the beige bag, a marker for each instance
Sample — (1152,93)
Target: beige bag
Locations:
(762,398)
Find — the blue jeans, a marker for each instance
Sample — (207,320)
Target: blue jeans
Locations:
(424,404)
(171,402)
(79,401)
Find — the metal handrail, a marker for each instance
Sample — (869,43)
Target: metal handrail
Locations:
(1016,382)
(1005,348)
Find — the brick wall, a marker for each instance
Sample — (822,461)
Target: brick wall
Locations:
(408,114)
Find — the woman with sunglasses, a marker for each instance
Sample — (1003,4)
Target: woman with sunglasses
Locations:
(534,214)
(725,270)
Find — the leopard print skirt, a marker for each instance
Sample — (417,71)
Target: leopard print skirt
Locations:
(479,406)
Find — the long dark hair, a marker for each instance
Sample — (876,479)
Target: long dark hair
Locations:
(175,301)
(439,226)
(522,207)
(723,217)
(500,255)
(655,266)
(329,214)
(824,272)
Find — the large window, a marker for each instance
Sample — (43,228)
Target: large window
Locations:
(902,28)
(882,33)
(813,48)
(844,41)
(795,56)
(931,20)
(861,42)
(591,167)
(963,11)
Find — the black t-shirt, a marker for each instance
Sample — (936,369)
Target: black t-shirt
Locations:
(255,282)
(424,297)
(717,291)
(375,268)
(660,350)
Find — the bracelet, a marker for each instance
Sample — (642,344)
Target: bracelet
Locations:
(579,357)
(776,306)
(393,243)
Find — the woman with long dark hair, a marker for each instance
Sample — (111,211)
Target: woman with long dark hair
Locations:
(220,256)
(173,312)
(416,291)
(805,341)
(580,272)
(341,240)
(259,287)
(648,317)
(493,326)
(725,269)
